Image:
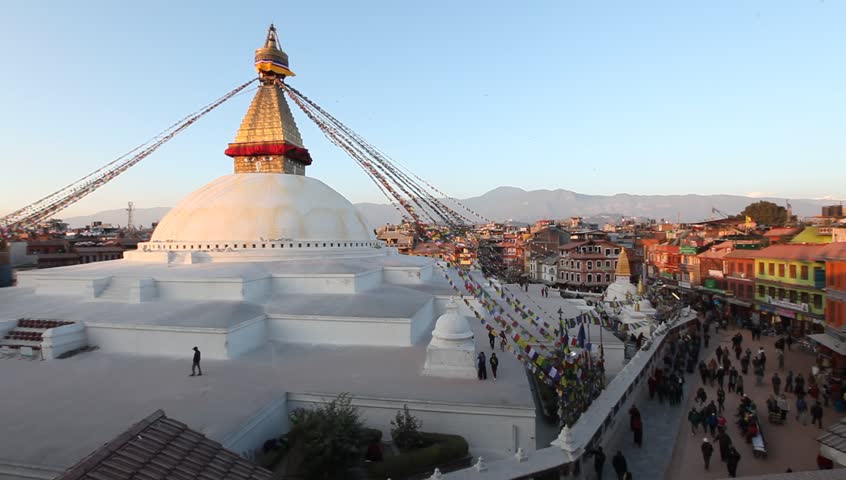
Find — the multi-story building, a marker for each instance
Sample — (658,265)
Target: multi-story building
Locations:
(588,265)
(739,271)
(663,261)
(833,342)
(402,240)
(789,283)
(549,269)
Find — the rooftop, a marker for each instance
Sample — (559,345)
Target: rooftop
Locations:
(791,252)
(160,447)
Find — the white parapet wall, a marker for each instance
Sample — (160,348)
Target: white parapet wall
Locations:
(268,422)
(246,336)
(487,428)
(157,340)
(65,338)
(394,332)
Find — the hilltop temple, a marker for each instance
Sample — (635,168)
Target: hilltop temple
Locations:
(282,286)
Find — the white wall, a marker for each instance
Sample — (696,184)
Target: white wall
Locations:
(486,428)
(65,338)
(220,289)
(341,283)
(268,422)
(246,336)
(345,330)
(158,340)
(422,321)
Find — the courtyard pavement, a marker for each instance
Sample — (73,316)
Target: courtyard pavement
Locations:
(791,445)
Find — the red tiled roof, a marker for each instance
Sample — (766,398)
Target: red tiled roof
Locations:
(808,252)
(779,231)
(743,253)
(834,251)
(160,447)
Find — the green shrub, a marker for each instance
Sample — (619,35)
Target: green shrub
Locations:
(441,449)
(405,430)
(328,439)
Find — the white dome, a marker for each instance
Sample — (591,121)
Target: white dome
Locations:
(252,207)
(452,325)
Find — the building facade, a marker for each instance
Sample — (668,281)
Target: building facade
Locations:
(789,283)
(588,265)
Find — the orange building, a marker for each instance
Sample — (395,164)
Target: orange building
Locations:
(834,255)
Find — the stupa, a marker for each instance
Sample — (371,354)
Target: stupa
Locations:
(280,283)
(452,350)
(622,288)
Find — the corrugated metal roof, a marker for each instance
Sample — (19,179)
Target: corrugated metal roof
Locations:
(158,448)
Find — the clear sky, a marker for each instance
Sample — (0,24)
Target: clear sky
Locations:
(598,97)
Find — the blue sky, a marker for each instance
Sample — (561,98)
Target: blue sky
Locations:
(597,97)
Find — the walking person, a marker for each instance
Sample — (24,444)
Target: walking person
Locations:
(802,410)
(598,462)
(619,464)
(494,364)
(816,414)
(502,341)
(636,424)
(788,382)
(694,418)
(195,366)
(738,389)
(491,338)
(481,366)
(776,381)
(721,400)
(732,461)
(707,451)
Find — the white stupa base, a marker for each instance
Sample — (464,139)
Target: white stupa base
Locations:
(450,362)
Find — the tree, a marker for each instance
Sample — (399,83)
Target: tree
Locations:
(766,213)
(405,430)
(329,439)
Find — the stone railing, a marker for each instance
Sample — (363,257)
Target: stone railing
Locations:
(565,454)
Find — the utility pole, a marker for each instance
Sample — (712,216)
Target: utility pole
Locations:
(130,217)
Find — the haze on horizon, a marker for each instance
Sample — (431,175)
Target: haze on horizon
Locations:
(646,98)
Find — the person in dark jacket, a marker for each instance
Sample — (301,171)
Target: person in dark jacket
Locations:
(492,338)
(732,461)
(598,462)
(481,366)
(619,464)
(707,451)
(195,366)
(816,414)
(494,364)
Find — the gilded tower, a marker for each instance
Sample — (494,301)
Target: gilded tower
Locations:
(268,140)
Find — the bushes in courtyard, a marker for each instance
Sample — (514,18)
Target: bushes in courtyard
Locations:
(439,449)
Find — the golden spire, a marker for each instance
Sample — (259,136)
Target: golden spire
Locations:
(268,140)
(641,289)
(623,267)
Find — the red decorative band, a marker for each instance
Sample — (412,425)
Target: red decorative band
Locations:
(293,152)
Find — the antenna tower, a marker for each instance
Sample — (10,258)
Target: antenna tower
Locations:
(130,214)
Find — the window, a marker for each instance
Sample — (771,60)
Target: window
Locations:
(781,270)
(781,294)
(817,301)
(793,271)
(760,268)
(771,269)
(590,265)
(607,263)
(771,292)
(616,251)
(578,277)
(607,252)
(806,298)
(792,295)
(589,278)
(607,277)
(749,270)
(804,272)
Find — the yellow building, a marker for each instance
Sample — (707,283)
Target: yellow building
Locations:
(789,283)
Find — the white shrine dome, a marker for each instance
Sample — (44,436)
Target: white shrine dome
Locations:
(452,326)
(257,207)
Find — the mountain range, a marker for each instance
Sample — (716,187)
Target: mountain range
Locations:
(512,203)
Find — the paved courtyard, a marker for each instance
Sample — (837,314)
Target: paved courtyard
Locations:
(791,445)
